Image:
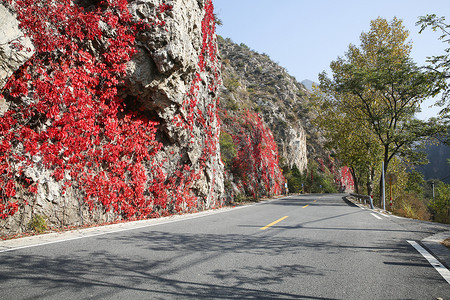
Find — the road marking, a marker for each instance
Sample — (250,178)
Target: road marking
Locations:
(273,223)
(53,238)
(305,206)
(445,273)
(379,218)
(387,216)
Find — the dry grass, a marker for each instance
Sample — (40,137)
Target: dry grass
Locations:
(411,206)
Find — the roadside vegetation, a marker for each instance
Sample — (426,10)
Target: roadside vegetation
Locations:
(367,108)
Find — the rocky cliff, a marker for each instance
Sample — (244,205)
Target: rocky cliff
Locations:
(113,117)
(253,83)
(15,48)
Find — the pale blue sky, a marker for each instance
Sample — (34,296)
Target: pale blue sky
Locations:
(305,36)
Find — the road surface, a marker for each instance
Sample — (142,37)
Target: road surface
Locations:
(298,247)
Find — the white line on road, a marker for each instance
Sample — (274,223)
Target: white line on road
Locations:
(53,238)
(433,261)
(379,218)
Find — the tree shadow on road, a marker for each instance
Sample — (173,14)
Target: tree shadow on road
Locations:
(164,265)
(105,275)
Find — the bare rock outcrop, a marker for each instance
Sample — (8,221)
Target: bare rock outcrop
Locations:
(160,76)
(253,81)
(15,48)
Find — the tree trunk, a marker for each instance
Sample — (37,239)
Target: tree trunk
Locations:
(370,177)
(386,161)
(355,179)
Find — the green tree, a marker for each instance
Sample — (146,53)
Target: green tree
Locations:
(440,205)
(415,183)
(378,88)
(352,144)
(440,64)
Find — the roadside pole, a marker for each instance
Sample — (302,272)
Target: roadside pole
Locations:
(391,179)
(383,197)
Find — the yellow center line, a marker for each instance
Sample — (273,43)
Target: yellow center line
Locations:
(305,206)
(273,223)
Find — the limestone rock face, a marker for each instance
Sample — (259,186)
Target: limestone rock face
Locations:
(164,67)
(15,48)
(254,81)
(159,77)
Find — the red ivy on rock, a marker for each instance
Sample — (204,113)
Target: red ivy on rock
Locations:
(256,163)
(70,120)
(201,116)
(346,179)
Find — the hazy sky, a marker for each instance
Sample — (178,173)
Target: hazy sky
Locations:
(305,36)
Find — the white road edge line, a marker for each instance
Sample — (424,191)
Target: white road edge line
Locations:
(109,230)
(379,218)
(445,273)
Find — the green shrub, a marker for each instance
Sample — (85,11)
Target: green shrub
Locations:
(415,183)
(38,224)
(231,83)
(232,105)
(440,205)
(240,198)
(294,178)
(319,182)
(227,149)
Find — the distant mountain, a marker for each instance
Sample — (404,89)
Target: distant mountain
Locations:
(309,84)
(438,168)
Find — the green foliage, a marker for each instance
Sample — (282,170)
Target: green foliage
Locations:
(415,183)
(38,224)
(227,149)
(217,21)
(439,64)
(440,205)
(294,179)
(367,108)
(244,46)
(282,125)
(324,183)
(319,182)
(232,83)
(232,105)
(241,198)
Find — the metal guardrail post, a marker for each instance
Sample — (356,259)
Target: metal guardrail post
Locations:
(364,198)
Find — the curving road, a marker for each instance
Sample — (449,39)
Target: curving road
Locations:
(298,247)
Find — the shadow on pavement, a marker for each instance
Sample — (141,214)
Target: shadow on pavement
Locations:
(164,265)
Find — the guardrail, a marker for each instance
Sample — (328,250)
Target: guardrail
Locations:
(364,198)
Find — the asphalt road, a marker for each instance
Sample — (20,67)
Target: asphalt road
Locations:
(321,248)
